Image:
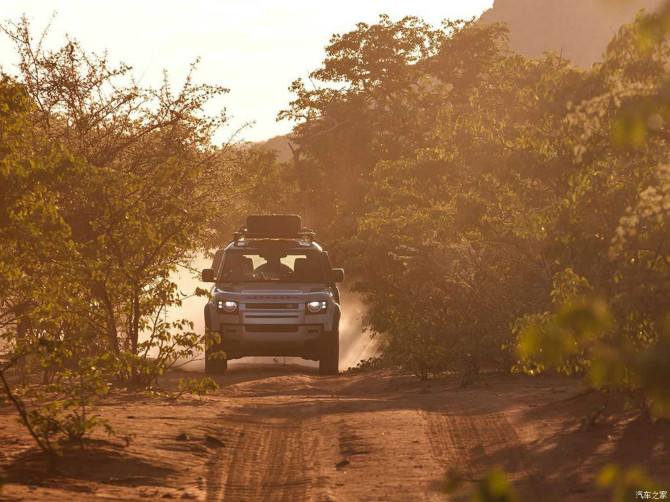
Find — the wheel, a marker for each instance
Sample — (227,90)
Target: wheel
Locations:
(330,354)
(215,366)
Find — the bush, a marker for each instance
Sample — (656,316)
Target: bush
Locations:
(64,408)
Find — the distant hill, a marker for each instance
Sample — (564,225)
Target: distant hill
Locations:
(580,28)
(279,144)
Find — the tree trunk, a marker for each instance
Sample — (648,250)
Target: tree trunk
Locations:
(135,329)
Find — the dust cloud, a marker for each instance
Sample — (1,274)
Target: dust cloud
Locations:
(355,342)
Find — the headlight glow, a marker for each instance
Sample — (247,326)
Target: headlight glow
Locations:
(316,307)
(227,306)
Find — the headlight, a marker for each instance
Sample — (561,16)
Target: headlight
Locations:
(316,307)
(227,306)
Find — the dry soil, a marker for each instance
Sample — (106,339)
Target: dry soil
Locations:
(284,433)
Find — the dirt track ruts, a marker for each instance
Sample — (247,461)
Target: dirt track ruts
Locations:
(305,437)
(284,433)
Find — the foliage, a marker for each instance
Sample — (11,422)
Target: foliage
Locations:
(263,186)
(493,488)
(580,337)
(627,484)
(621,339)
(63,408)
(478,196)
(134,201)
(432,233)
(480,199)
(197,386)
(194,386)
(105,189)
(369,364)
(371,77)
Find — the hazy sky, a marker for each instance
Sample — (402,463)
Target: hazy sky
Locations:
(256,48)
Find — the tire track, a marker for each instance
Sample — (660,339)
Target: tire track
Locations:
(265,461)
(387,457)
(469,445)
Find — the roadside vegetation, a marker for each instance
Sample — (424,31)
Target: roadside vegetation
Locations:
(105,189)
(497,212)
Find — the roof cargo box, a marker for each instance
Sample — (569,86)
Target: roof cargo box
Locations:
(274,225)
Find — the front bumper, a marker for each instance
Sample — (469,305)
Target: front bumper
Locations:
(273,326)
(269,333)
(239,340)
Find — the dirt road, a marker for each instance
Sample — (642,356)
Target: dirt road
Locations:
(286,434)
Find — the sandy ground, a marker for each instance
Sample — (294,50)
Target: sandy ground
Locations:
(284,433)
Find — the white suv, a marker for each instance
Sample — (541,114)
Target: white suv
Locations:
(274,294)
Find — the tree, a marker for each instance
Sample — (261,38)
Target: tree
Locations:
(136,198)
(612,228)
(472,191)
(367,104)
(105,188)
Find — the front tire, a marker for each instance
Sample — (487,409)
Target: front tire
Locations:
(329,360)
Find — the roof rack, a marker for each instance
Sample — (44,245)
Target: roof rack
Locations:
(304,234)
(274,226)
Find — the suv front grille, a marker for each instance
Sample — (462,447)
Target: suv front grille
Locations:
(271,306)
(277,328)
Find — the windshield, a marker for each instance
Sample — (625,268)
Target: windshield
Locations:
(271,265)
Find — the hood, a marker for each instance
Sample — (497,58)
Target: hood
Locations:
(284,288)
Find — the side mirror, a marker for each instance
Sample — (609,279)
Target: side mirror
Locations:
(338,275)
(208,275)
